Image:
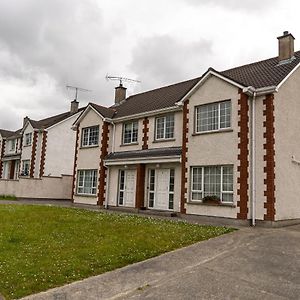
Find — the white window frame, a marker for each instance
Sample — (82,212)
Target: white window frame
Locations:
(202,184)
(197,117)
(164,118)
(132,141)
(28,139)
(25,161)
(13,144)
(83,182)
(89,142)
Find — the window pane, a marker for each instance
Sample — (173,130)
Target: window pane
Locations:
(212,181)
(207,117)
(227,179)
(225,114)
(172,178)
(227,197)
(160,128)
(196,196)
(171,201)
(135,132)
(169,126)
(197,179)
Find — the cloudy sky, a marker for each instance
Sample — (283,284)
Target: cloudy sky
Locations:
(46,45)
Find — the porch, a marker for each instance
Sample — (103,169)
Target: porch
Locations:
(144,180)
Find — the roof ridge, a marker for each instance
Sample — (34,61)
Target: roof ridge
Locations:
(163,87)
(253,63)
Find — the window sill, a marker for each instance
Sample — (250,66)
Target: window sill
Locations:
(86,195)
(131,144)
(211,204)
(163,140)
(27,145)
(88,147)
(213,131)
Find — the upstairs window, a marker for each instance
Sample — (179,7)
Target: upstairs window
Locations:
(213,117)
(130,132)
(12,145)
(90,136)
(28,139)
(164,127)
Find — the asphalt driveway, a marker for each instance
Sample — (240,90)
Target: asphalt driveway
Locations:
(251,263)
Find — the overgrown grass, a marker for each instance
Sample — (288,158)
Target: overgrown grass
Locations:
(8,197)
(43,247)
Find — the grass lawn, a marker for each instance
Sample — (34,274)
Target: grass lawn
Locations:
(8,197)
(42,247)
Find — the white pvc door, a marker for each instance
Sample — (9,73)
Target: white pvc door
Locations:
(159,189)
(130,184)
(162,189)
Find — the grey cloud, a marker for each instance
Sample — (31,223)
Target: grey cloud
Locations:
(245,5)
(161,60)
(65,41)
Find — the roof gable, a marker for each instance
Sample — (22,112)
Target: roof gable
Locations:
(102,111)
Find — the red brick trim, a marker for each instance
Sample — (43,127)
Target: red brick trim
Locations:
(145,133)
(184,159)
(1,156)
(33,154)
(269,158)
(102,168)
(140,186)
(43,154)
(243,156)
(75,162)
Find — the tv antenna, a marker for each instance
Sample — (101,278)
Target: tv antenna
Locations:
(121,79)
(77,89)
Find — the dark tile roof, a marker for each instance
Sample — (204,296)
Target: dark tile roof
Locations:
(104,111)
(262,73)
(159,152)
(155,99)
(6,133)
(258,74)
(45,123)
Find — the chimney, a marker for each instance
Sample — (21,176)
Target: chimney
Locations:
(285,46)
(25,120)
(74,106)
(120,93)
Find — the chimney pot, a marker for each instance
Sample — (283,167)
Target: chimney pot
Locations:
(285,46)
(74,106)
(120,93)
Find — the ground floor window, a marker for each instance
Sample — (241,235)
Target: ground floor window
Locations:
(212,181)
(87,182)
(25,167)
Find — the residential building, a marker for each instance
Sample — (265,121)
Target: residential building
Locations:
(48,144)
(220,145)
(10,145)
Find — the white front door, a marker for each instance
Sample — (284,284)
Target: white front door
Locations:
(127,186)
(161,189)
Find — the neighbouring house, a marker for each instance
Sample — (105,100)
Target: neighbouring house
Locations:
(10,154)
(225,144)
(48,144)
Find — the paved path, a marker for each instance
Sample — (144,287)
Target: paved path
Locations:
(251,263)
